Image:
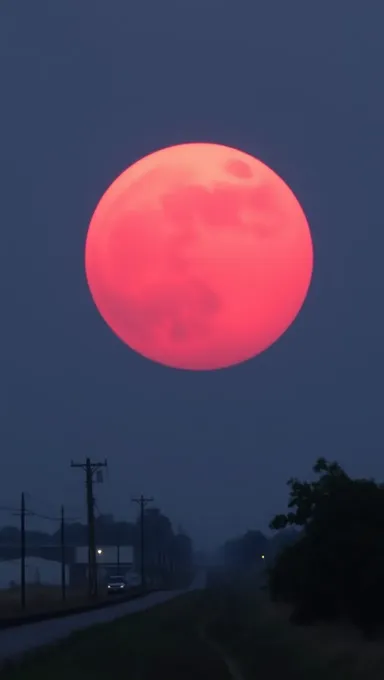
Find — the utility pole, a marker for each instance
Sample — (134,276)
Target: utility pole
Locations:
(23,512)
(22,550)
(142,502)
(90,469)
(62,539)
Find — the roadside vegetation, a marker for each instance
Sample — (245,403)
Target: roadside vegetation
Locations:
(163,642)
(231,631)
(259,636)
(43,600)
(318,609)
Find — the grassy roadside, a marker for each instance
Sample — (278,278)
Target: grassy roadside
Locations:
(39,598)
(173,640)
(163,642)
(47,604)
(260,638)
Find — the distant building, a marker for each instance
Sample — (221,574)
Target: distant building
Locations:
(47,552)
(111,555)
(111,560)
(43,564)
(37,571)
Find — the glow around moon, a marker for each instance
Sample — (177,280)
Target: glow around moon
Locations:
(199,256)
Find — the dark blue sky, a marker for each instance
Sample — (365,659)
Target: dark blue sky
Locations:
(87,88)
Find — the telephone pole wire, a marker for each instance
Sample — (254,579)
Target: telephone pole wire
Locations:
(90,469)
(142,501)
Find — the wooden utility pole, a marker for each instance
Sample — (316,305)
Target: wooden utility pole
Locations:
(22,550)
(63,561)
(23,512)
(142,502)
(90,469)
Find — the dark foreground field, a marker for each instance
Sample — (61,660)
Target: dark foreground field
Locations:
(45,601)
(39,599)
(164,642)
(222,633)
(259,636)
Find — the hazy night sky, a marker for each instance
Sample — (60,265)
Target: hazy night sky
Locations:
(87,88)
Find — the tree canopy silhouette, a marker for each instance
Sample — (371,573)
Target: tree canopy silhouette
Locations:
(336,567)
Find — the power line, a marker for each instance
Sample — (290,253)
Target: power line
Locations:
(23,513)
(48,510)
(52,519)
(32,513)
(6,508)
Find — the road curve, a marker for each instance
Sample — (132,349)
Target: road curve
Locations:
(14,642)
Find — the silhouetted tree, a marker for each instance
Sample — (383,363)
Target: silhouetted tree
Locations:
(281,540)
(335,568)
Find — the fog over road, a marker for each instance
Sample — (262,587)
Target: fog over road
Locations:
(15,642)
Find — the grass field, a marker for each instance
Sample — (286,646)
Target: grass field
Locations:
(259,636)
(41,599)
(224,633)
(335,652)
(164,642)
(37,596)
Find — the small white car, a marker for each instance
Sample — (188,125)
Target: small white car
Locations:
(116,585)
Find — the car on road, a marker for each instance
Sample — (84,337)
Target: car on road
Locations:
(116,585)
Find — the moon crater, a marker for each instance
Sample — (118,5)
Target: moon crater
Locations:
(238,168)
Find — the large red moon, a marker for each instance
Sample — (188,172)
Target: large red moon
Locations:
(199,256)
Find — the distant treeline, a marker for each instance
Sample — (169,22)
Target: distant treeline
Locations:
(253,550)
(326,557)
(162,545)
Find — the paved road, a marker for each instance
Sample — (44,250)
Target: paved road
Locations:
(14,642)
